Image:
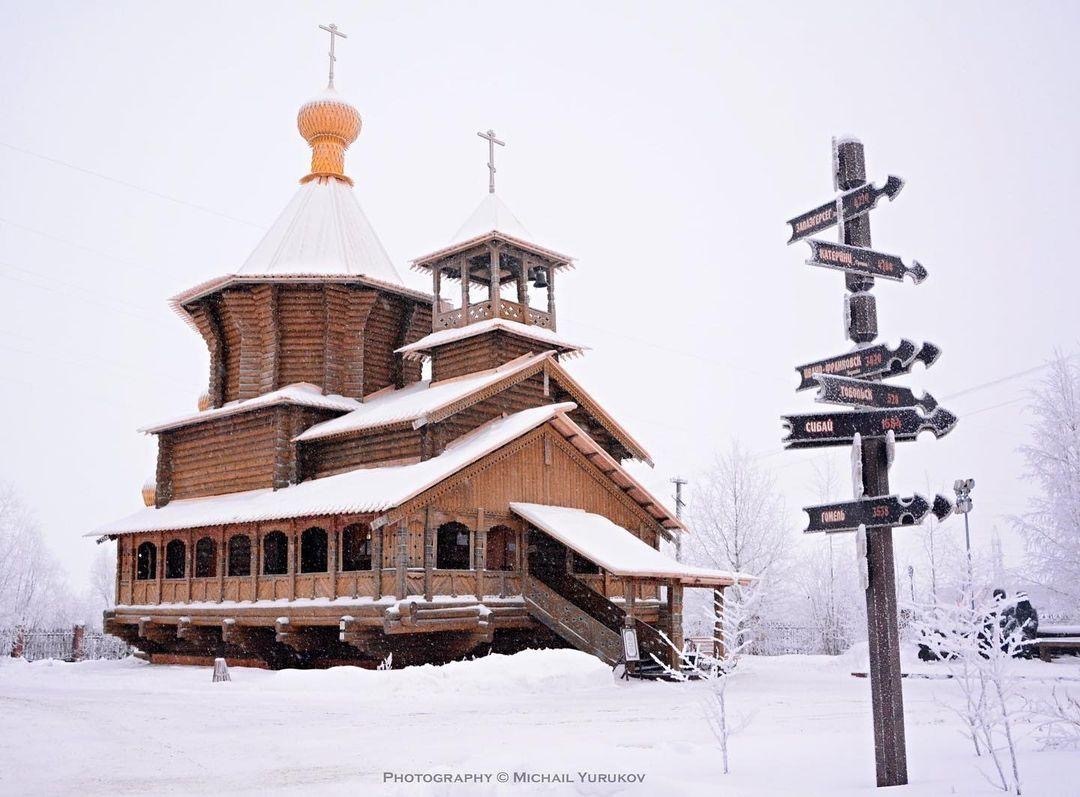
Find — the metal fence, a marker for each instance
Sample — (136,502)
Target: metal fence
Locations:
(60,644)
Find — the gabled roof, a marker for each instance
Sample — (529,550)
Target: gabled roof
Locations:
(357,491)
(303,394)
(418,350)
(615,549)
(370,490)
(426,402)
(416,403)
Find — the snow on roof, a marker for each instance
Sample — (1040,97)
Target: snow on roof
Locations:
(322,231)
(615,549)
(493,219)
(363,490)
(415,402)
(303,394)
(491,215)
(418,349)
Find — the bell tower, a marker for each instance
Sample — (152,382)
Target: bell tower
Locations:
(505,291)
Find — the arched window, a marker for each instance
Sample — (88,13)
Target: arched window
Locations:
(356,547)
(275,554)
(501,548)
(146,562)
(239,555)
(452,547)
(205,558)
(175,556)
(313,550)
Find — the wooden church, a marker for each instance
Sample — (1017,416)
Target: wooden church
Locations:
(328,504)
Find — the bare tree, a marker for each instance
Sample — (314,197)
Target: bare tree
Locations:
(737,517)
(1051,526)
(103,577)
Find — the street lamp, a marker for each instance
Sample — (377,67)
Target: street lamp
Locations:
(963,488)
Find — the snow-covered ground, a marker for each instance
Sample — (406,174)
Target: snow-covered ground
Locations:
(128,727)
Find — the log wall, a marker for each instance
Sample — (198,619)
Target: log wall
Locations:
(479,353)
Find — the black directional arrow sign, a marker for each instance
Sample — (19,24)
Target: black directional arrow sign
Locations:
(867,262)
(927,355)
(855,203)
(871,361)
(839,428)
(871,395)
(885,510)
(943,507)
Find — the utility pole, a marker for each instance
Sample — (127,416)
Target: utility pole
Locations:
(679,483)
(964,505)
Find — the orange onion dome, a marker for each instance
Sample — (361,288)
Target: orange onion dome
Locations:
(329,125)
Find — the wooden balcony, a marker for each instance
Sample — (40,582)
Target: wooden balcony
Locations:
(481,311)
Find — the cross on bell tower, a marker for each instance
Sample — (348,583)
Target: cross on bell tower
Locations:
(492,141)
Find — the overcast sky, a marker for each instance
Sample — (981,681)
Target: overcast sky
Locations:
(144,147)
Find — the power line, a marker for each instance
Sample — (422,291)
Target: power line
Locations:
(132,186)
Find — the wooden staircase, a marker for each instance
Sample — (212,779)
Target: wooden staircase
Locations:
(570,622)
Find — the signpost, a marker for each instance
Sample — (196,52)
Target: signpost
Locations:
(884,510)
(882,414)
(856,260)
(871,395)
(853,203)
(817,429)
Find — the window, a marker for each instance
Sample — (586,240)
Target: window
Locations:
(452,547)
(356,547)
(501,549)
(175,556)
(582,565)
(239,555)
(275,554)
(313,551)
(205,558)
(146,562)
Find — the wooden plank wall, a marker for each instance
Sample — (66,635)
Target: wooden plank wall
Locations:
(221,456)
(479,353)
(337,455)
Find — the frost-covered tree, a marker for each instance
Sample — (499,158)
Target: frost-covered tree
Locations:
(103,576)
(736,515)
(732,616)
(1051,526)
(978,641)
(32,588)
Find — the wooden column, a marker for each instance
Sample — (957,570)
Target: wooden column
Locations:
(675,612)
(221,553)
(551,295)
(332,563)
(189,562)
(480,556)
(464,292)
(294,558)
(159,563)
(629,592)
(376,559)
(429,552)
(494,275)
(119,570)
(436,288)
(256,562)
(402,532)
(523,288)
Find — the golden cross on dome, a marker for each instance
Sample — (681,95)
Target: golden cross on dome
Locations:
(492,141)
(334,33)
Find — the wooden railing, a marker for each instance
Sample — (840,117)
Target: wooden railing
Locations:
(481,311)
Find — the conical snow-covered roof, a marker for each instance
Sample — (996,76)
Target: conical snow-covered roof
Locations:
(322,231)
(491,215)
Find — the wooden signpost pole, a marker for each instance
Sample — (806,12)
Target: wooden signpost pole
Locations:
(883,631)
